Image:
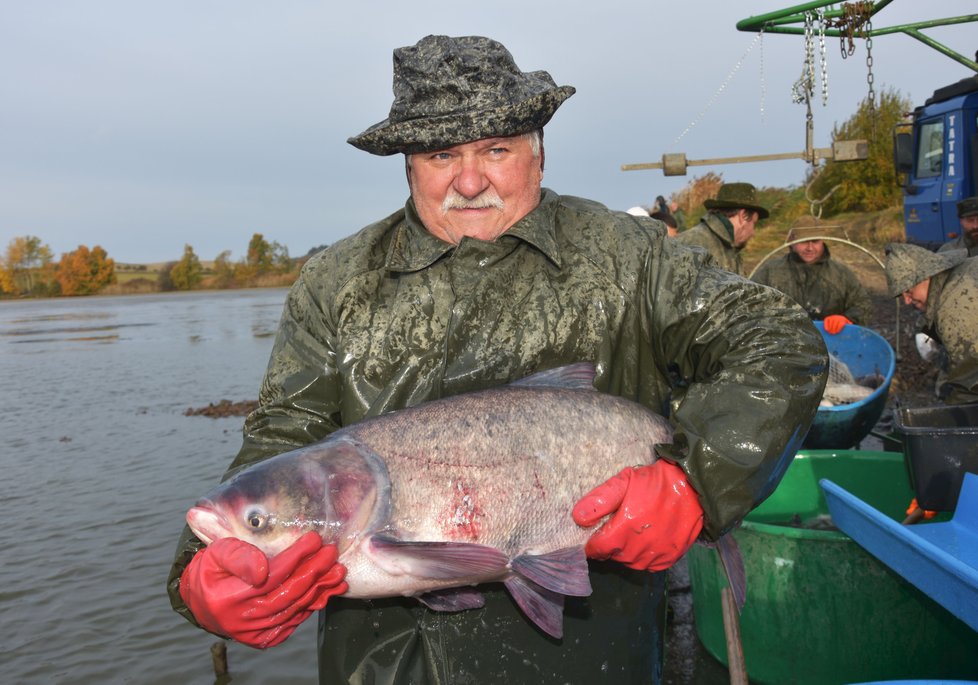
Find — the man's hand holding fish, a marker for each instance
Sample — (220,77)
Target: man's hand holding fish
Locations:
(234,590)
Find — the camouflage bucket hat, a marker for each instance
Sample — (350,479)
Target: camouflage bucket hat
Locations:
(449,91)
(968,207)
(811,228)
(908,265)
(737,196)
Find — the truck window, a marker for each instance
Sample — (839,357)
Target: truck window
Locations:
(930,152)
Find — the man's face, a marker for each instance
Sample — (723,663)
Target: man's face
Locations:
(746,222)
(477,189)
(969,224)
(917,295)
(809,251)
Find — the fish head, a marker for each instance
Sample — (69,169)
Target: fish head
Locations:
(336,488)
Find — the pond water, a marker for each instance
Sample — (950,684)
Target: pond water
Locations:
(99,465)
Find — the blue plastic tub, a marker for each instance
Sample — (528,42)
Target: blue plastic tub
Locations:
(865,352)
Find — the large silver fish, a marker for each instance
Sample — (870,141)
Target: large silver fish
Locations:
(431,500)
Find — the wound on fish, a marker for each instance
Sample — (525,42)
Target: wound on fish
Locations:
(462,519)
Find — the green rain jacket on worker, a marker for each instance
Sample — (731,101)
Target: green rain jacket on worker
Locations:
(822,288)
(962,242)
(952,314)
(714,233)
(392,317)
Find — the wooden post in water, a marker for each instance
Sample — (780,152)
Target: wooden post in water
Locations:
(219,656)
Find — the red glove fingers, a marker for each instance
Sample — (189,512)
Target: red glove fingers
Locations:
(234,590)
(292,588)
(656,517)
(835,323)
(927,514)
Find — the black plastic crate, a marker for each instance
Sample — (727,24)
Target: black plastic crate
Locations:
(940,445)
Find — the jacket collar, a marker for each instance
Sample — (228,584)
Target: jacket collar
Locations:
(413,248)
(721,227)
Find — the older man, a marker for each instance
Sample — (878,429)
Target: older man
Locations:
(482,278)
(968,217)
(728,225)
(944,287)
(827,289)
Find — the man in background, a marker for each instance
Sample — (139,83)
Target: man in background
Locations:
(943,286)
(825,288)
(728,225)
(968,217)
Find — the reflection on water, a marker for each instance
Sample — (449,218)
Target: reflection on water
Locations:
(99,466)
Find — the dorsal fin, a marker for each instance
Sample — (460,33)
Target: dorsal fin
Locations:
(579,376)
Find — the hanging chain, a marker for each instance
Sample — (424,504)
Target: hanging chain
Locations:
(804,88)
(722,87)
(854,16)
(871,94)
(763,83)
(868,33)
(822,62)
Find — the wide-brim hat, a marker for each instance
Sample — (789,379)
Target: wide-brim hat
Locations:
(807,227)
(453,90)
(737,196)
(968,207)
(907,265)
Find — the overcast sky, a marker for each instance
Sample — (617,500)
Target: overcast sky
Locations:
(144,126)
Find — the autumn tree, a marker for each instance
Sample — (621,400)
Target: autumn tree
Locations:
(259,258)
(84,271)
(224,271)
(264,258)
(26,266)
(187,273)
(690,198)
(281,262)
(867,185)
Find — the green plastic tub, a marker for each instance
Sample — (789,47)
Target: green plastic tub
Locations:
(819,608)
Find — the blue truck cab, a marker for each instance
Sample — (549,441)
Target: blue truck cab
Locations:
(938,162)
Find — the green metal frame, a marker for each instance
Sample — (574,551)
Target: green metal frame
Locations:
(778,22)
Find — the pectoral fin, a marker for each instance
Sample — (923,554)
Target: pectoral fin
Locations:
(436,560)
(453,599)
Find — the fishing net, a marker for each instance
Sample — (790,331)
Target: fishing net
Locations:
(839,373)
(843,387)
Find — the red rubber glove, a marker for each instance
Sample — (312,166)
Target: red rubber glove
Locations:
(834,323)
(656,517)
(233,589)
(926,514)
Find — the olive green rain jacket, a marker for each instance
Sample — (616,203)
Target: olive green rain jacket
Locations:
(962,242)
(391,317)
(952,313)
(822,288)
(714,233)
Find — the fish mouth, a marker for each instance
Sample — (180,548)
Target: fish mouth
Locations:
(207,522)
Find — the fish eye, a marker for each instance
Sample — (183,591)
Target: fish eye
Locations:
(256,519)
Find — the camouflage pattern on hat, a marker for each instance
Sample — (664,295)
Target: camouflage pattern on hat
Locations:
(968,207)
(737,196)
(908,265)
(808,227)
(449,91)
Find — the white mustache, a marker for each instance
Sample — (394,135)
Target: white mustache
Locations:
(486,199)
